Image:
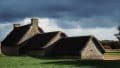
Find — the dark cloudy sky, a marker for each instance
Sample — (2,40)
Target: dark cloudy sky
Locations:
(91,15)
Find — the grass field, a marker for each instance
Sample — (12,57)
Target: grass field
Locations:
(30,62)
(113,53)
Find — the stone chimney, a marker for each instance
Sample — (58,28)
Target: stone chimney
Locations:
(34,22)
(16,25)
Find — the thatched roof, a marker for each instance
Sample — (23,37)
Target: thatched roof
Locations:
(0,47)
(75,44)
(16,34)
(44,40)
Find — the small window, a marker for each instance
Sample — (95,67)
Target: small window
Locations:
(91,50)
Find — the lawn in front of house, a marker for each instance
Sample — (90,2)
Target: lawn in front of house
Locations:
(32,62)
(113,53)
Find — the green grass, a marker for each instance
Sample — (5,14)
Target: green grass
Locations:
(113,53)
(31,62)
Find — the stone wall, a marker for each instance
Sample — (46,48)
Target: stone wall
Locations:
(10,50)
(36,53)
(91,52)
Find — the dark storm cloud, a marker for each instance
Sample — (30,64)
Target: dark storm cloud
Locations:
(17,9)
(86,13)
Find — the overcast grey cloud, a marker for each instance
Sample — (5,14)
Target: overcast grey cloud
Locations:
(99,11)
(67,14)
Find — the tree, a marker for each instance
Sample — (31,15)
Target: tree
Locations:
(118,35)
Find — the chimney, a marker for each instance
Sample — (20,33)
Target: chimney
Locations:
(34,22)
(16,25)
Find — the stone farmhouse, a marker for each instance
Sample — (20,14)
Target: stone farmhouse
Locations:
(31,40)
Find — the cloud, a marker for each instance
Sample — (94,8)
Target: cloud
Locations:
(100,33)
(46,24)
(4,30)
(92,12)
(71,16)
(49,25)
(90,22)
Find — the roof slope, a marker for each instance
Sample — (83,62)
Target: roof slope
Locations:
(16,34)
(98,44)
(41,40)
(75,44)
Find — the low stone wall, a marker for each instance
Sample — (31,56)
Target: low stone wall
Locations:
(92,57)
(36,53)
(9,50)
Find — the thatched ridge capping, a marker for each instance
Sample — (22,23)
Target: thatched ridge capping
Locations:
(16,25)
